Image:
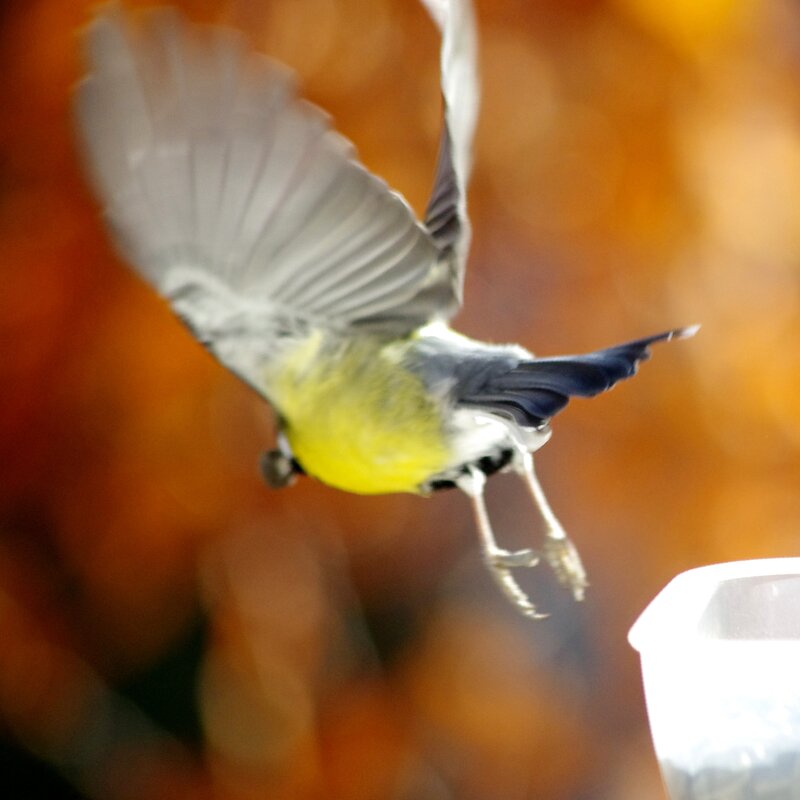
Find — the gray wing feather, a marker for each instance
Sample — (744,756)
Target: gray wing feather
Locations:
(446,214)
(236,200)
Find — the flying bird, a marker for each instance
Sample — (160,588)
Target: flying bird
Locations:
(313,282)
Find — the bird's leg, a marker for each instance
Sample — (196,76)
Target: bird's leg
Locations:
(499,561)
(559,551)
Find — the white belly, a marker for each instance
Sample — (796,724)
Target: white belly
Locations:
(477,433)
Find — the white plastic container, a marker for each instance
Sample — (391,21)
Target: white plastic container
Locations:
(720,651)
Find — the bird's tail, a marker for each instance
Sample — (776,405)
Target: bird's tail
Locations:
(535,390)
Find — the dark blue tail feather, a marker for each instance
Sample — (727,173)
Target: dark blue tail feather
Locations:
(533,391)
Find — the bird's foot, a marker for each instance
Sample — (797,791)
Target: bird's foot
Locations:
(558,550)
(563,558)
(510,559)
(511,589)
(500,563)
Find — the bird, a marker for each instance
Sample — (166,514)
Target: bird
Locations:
(314,282)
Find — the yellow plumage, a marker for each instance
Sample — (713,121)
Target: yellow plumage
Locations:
(355,420)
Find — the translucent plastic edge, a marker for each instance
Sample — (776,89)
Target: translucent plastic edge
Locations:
(675,609)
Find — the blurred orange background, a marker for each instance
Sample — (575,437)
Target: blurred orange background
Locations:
(172,628)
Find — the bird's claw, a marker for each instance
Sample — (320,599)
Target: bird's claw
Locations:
(510,559)
(563,558)
(511,589)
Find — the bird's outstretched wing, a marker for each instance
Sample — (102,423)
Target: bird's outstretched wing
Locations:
(446,214)
(242,206)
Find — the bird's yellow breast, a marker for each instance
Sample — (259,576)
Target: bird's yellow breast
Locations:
(355,418)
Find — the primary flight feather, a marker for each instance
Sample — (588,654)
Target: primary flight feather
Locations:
(310,279)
